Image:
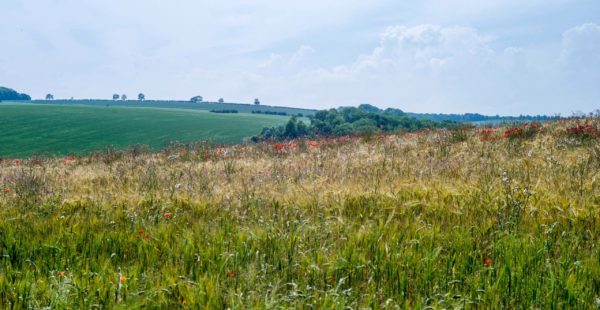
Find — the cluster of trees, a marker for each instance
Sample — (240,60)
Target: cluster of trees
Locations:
(348,121)
(198,99)
(11,94)
(224,111)
(293,129)
(141,97)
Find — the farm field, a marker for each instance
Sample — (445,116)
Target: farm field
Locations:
(32,129)
(206,106)
(472,218)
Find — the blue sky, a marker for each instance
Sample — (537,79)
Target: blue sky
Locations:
(452,56)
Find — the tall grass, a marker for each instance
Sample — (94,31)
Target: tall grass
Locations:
(433,219)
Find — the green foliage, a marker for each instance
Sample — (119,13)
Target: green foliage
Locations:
(369,108)
(11,94)
(292,129)
(352,121)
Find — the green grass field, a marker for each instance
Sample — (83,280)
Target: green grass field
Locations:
(32,129)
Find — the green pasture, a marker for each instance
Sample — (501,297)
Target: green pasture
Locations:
(33,129)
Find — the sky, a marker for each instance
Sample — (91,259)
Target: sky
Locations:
(492,57)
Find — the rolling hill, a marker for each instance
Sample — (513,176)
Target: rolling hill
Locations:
(32,129)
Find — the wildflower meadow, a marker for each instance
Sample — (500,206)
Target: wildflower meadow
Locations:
(493,217)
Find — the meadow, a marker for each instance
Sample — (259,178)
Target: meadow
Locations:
(467,218)
(34,129)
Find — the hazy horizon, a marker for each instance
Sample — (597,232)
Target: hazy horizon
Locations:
(497,57)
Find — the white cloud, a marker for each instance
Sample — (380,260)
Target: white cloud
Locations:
(433,68)
(301,54)
(429,47)
(507,56)
(281,62)
(581,47)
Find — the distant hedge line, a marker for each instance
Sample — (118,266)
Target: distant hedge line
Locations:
(276,113)
(224,111)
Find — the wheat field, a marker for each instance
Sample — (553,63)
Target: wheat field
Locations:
(466,218)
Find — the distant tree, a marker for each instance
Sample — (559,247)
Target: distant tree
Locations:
(123,97)
(49,97)
(256,101)
(221,100)
(197,99)
(141,97)
(116,97)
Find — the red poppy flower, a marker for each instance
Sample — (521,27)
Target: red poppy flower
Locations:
(487,262)
(167,214)
(231,274)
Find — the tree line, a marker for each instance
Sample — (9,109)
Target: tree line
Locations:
(11,94)
(467,117)
(348,121)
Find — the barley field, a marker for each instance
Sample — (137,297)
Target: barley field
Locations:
(474,218)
